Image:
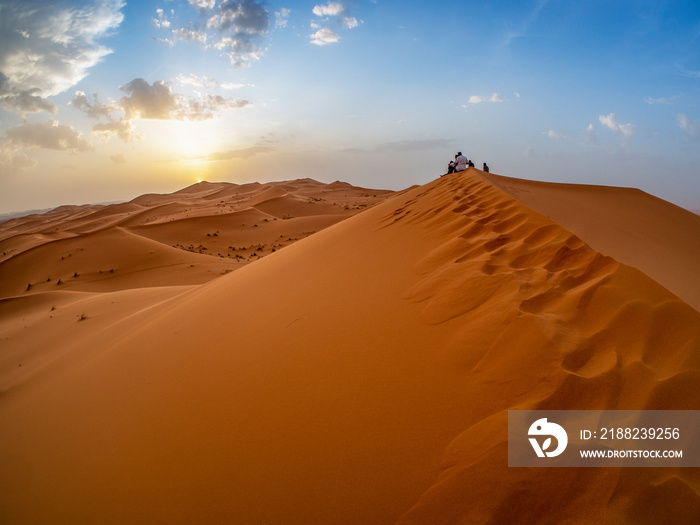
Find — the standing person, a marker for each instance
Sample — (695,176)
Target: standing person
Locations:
(486,168)
(461,162)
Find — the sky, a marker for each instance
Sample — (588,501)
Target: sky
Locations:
(104,100)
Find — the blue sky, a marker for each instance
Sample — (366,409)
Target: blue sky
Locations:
(102,100)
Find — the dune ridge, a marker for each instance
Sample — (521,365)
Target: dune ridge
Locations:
(638,229)
(360,375)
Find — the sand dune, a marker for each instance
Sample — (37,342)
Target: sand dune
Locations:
(360,375)
(206,218)
(634,227)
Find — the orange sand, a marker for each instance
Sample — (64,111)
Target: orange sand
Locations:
(360,375)
(634,227)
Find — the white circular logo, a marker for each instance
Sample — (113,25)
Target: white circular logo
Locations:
(541,428)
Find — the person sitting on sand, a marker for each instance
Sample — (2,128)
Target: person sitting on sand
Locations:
(461,162)
(471,164)
(486,168)
(451,167)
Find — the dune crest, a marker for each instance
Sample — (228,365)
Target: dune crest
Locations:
(361,375)
(638,229)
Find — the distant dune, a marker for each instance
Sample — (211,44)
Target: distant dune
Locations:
(17,214)
(361,374)
(157,240)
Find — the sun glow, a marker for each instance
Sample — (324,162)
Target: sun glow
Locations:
(190,140)
(190,143)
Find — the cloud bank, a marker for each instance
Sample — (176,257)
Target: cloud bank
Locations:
(155,101)
(46,49)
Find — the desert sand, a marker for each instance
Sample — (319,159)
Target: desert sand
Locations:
(361,374)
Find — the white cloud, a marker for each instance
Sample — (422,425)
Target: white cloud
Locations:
(231,85)
(233,27)
(157,102)
(324,36)
(122,128)
(93,110)
(552,134)
(611,122)
(205,108)
(46,49)
(202,4)
(48,135)
(330,9)
(660,100)
(690,126)
(194,80)
(282,17)
(476,99)
(244,17)
(23,101)
(161,20)
(118,159)
(335,15)
(148,101)
(190,35)
(689,73)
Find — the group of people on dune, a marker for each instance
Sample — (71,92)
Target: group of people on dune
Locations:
(461,163)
